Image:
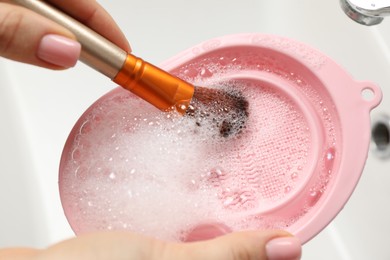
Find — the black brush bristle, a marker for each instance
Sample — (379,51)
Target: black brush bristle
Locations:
(227,111)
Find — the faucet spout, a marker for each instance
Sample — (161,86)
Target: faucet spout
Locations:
(366,12)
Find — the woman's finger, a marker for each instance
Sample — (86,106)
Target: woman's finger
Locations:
(30,38)
(251,245)
(263,245)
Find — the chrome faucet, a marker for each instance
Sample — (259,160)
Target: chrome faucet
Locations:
(367,12)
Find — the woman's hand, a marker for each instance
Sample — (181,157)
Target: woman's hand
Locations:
(262,245)
(30,38)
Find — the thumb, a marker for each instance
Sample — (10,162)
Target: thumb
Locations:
(30,38)
(248,245)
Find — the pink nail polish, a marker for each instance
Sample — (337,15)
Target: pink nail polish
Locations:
(59,50)
(284,248)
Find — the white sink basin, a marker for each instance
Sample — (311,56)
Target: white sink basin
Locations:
(39,107)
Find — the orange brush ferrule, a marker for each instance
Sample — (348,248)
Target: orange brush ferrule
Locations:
(154,85)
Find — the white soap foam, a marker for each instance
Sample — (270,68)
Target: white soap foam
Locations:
(161,174)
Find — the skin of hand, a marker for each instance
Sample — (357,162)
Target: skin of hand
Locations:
(248,245)
(22,33)
(30,38)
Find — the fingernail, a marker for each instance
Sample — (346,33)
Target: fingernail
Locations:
(59,50)
(284,248)
(207,231)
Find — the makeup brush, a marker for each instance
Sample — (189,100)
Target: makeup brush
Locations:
(227,111)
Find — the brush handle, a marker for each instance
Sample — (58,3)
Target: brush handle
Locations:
(97,52)
(147,81)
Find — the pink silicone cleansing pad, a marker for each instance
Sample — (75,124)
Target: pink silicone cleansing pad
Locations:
(128,166)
